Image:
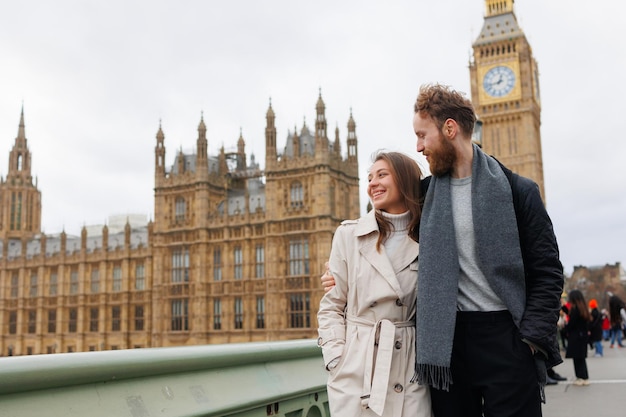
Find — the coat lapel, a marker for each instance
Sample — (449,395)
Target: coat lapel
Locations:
(385,265)
(404,255)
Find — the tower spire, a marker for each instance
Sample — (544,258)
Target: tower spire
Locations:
(202,144)
(321,139)
(20,211)
(241,151)
(159,155)
(21,131)
(352,140)
(270,137)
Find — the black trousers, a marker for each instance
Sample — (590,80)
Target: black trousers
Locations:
(580,368)
(493,370)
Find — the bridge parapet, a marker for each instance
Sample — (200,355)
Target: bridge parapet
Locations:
(284,379)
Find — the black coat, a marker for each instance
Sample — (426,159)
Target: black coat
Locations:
(542,267)
(595,328)
(577,330)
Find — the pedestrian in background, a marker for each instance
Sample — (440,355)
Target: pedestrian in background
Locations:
(577,329)
(595,330)
(563,320)
(617,314)
(606,325)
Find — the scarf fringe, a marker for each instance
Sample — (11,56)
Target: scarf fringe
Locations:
(436,376)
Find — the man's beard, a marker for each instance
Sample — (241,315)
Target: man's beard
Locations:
(442,159)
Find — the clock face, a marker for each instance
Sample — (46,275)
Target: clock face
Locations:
(499,81)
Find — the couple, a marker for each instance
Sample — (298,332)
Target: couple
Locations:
(473,331)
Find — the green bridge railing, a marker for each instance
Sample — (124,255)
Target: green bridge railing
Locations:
(248,379)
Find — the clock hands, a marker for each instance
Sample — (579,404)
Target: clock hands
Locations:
(498,81)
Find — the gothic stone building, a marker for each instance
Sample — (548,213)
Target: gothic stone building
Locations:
(233,253)
(598,282)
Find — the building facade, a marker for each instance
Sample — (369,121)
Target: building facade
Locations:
(233,254)
(504,80)
(598,282)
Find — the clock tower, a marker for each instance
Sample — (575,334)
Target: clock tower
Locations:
(505,92)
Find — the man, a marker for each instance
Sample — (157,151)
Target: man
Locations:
(489,280)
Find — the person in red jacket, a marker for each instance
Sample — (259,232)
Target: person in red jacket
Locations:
(606,325)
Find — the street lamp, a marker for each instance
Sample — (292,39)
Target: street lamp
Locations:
(477,134)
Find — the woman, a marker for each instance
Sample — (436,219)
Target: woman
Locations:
(577,329)
(367,320)
(595,329)
(617,314)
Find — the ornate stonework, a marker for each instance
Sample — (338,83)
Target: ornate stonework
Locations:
(234,252)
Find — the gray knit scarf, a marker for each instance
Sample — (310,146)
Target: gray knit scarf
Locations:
(498,254)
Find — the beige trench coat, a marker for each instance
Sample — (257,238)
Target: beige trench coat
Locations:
(368,319)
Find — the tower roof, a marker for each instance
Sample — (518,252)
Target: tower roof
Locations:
(320,106)
(499,26)
(201,125)
(21,131)
(306,143)
(270,111)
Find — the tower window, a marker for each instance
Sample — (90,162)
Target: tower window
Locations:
(179,209)
(260,312)
(74,282)
(73,319)
(95,281)
(15,285)
(52,290)
(180,314)
(117,278)
(217,314)
(12,322)
(238,313)
(52,321)
(140,277)
(352,150)
(180,265)
(300,310)
(298,257)
(238,255)
(297,195)
(32,321)
(116,318)
(217,264)
(260,262)
(16,211)
(34,283)
(93,319)
(139,318)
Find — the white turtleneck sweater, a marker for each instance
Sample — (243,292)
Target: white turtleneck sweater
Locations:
(400,229)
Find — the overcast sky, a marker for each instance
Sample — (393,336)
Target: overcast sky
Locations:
(97,77)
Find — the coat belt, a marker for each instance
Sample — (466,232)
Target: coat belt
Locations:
(380,346)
